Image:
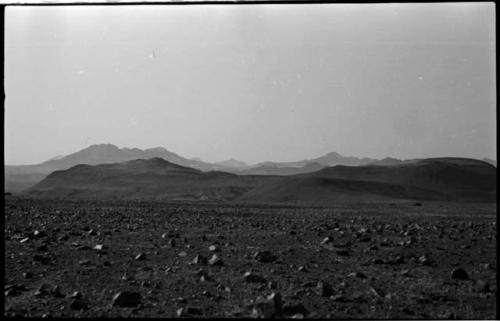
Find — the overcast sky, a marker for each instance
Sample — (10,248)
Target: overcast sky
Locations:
(252,82)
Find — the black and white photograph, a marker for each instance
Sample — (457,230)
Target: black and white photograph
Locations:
(250,160)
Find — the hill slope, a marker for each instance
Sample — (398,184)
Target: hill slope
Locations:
(151,178)
(429,179)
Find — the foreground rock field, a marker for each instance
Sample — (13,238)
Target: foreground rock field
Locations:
(144,259)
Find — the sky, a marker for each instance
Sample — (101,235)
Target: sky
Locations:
(252,82)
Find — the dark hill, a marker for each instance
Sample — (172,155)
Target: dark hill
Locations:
(151,178)
(460,178)
(429,179)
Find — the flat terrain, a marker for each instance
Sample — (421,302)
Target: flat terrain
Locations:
(383,260)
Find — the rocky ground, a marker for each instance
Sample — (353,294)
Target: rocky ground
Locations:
(132,259)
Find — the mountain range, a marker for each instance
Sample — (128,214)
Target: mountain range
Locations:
(445,179)
(19,178)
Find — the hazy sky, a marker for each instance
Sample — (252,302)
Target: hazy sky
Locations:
(252,82)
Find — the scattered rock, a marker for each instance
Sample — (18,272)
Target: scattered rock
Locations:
(215,260)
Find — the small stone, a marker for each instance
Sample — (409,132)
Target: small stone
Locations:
(56,292)
(357,275)
(126,299)
(64,237)
(265,308)
(182,254)
(78,304)
(199,259)
(26,239)
(405,272)
(99,247)
(76,294)
(324,289)
(214,248)
(459,274)
(215,260)
(327,240)
(264,256)
(424,260)
(140,257)
(249,277)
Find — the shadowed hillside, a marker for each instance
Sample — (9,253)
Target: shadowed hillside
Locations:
(429,179)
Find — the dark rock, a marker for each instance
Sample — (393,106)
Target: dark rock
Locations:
(357,275)
(249,277)
(199,259)
(27,275)
(324,289)
(126,299)
(292,309)
(56,292)
(41,259)
(459,274)
(78,304)
(267,307)
(343,253)
(264,256)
